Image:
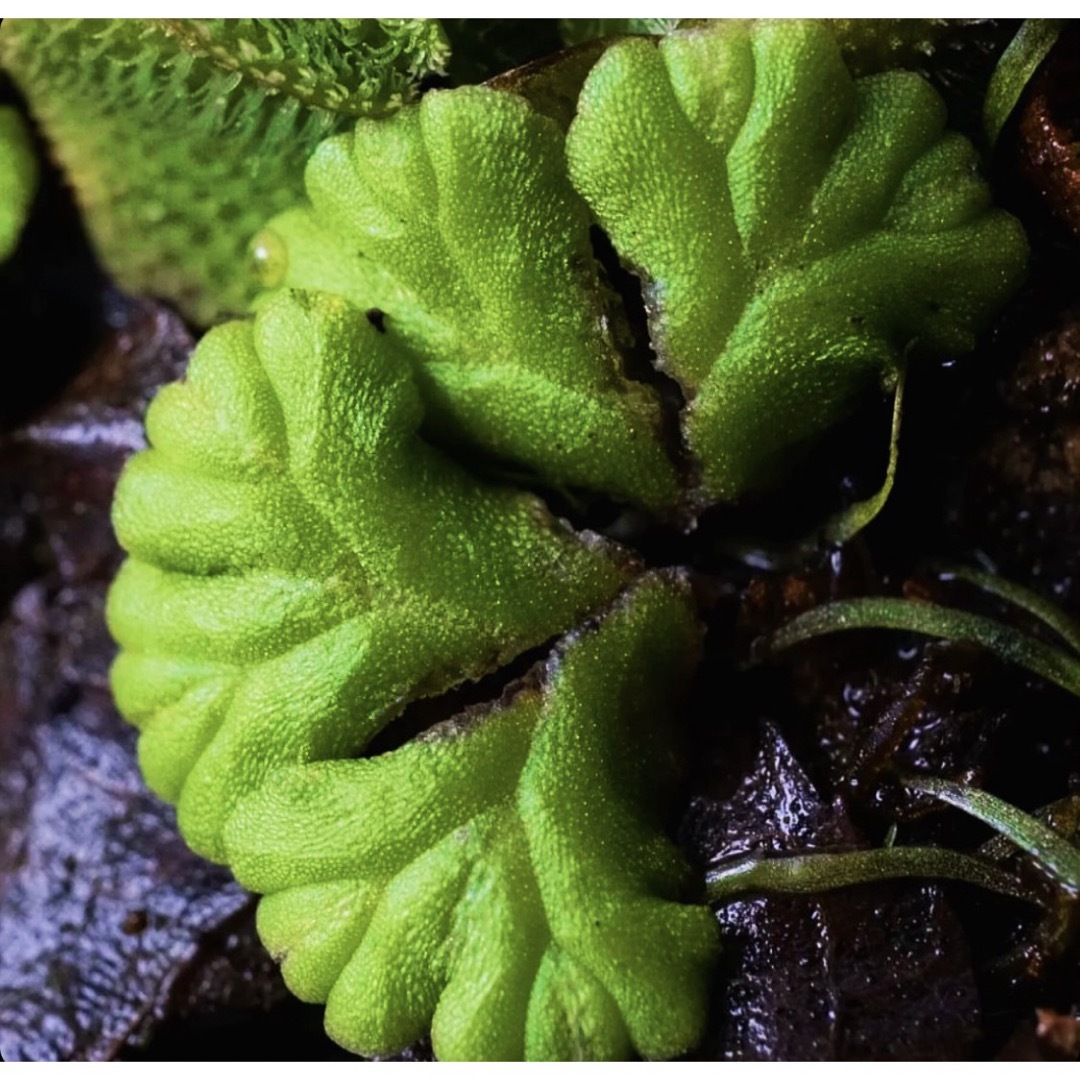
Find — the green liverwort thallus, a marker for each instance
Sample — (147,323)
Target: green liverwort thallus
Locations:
(303,564)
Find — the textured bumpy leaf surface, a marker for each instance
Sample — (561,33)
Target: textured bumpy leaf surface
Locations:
(798,232)
(457,220)
(303,564)
(18,179)
(181,138)
(502,880)
(361,67)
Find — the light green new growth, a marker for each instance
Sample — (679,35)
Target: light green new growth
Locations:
(502,881)
(18,179)
(302,565)
(180,138)
(456,218)
(799,233)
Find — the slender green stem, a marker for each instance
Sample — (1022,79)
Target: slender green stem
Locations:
(1060,857)
(842,526)
(824,871)
(894,613)
(1044,610)
(846,525)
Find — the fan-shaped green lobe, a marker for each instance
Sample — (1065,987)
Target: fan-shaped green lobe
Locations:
(798,232)
(502,880)
(302,564)
(456,219)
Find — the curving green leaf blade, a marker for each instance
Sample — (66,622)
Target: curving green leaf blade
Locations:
(798,232)
(303,565)
(1044,844)
(918,617)
(822,871)
(457,220)
(503,879)
(1017,65)
(1044,609)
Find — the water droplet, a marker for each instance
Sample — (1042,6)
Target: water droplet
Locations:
(269,258)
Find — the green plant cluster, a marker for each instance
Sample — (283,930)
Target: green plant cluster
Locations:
(335,518)
(799,235)
(303,563)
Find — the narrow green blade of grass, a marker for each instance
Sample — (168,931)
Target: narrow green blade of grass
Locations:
(821,872)
(894,613)
(1049,848)
(1044,610)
